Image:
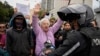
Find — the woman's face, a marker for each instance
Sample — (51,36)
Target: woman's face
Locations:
(52,22)
(67,26)
(2,27)
(45,25)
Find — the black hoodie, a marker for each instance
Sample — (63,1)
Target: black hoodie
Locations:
(19,43)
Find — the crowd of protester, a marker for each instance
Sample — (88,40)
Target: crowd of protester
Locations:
(40,38)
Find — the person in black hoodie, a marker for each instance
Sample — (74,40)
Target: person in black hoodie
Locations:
(19,38)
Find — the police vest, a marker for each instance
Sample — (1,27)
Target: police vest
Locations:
(94,35)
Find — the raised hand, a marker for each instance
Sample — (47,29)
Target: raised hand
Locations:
(36,10)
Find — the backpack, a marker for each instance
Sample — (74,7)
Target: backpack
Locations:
(92,36)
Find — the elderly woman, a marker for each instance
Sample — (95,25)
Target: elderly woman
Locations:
(43,31)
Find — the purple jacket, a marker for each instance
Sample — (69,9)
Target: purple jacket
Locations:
(41,36)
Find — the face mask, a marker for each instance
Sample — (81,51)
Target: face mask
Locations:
(28,21)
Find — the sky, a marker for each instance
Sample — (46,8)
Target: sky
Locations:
(26,2)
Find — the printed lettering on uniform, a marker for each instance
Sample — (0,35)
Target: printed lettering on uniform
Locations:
(96,42)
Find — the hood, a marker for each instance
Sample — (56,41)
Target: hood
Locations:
(85,12)
(13,20)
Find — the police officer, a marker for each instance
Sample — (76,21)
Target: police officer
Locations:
(76,43)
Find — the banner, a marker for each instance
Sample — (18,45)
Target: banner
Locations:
(25,9)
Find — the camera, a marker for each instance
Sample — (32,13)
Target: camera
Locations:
(48,47)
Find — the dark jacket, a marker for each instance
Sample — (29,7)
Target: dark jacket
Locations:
(94,34)
(62,33)
(74,45)
(19,43)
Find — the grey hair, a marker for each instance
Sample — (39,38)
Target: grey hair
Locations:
(44,19)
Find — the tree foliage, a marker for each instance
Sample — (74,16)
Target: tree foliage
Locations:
(6,12)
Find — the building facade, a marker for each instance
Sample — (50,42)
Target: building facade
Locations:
(47,5)
(55,5)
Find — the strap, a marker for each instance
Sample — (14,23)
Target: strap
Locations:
(72,49)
